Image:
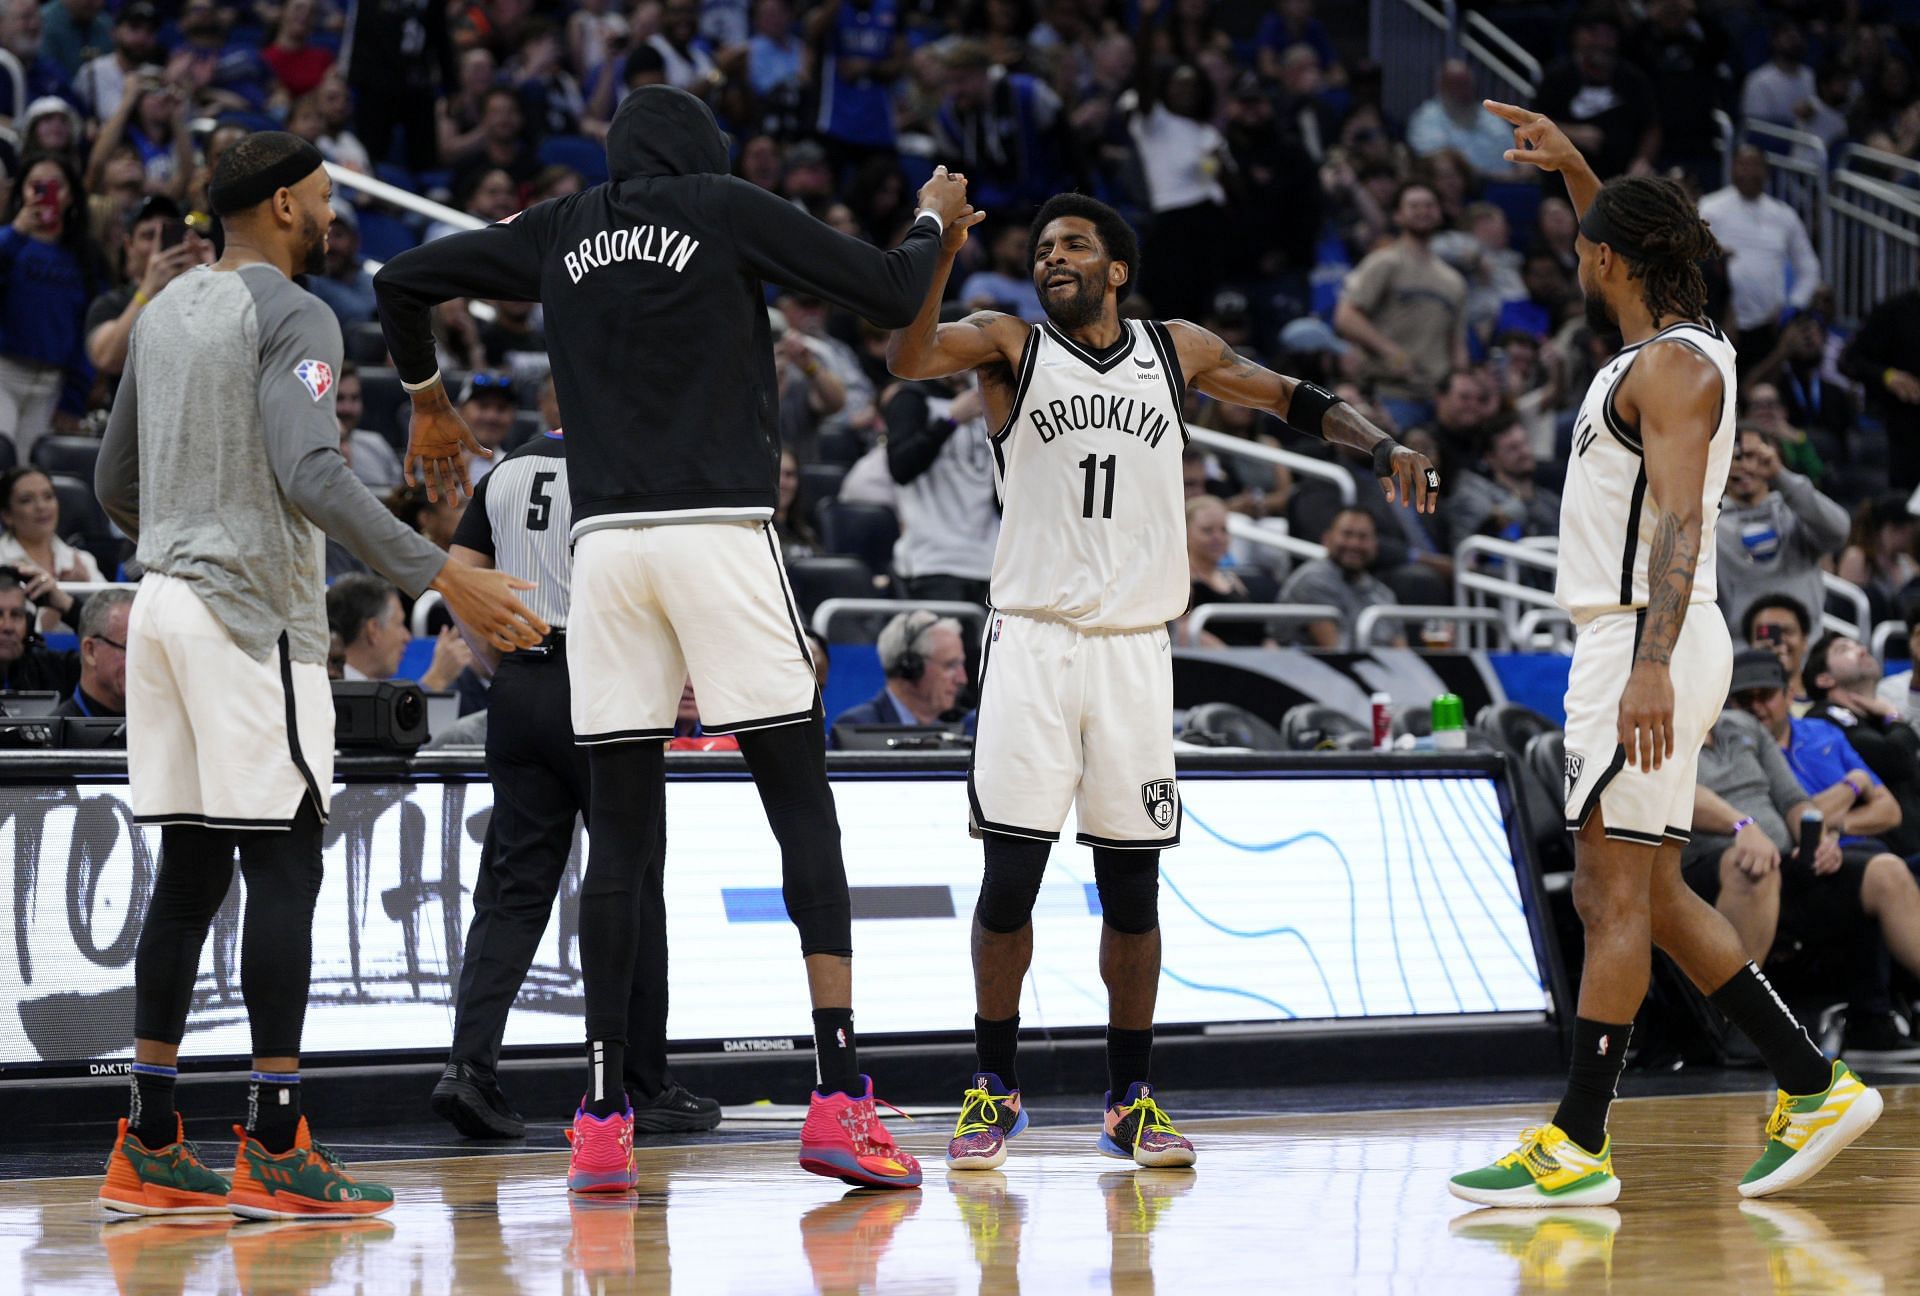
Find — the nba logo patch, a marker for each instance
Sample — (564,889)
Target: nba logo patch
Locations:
(1575,761)
(996,629)
(1157,795)
(316,376)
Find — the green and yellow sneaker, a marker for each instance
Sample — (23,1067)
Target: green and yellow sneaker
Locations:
(1805,1133)
(304,1182)
(1547,1169)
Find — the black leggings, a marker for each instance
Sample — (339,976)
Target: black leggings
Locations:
(282,871)
(789,767)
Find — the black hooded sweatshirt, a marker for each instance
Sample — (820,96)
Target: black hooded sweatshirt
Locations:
(656,320)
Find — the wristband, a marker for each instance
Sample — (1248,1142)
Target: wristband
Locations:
(1741,824)
(421,385)
(1858,791)
(1383,456)
(933,216)
(1308,405)
(140,297)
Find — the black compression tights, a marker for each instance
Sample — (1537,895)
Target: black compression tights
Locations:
(789,764)
(623,860)
(282,871)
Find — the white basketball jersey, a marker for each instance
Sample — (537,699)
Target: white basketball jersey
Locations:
(1606,527)
(1094,531)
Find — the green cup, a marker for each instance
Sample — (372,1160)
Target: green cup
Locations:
(1449,713)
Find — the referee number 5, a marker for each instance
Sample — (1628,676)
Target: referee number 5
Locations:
(540,503)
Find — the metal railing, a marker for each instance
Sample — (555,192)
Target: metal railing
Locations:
(1861,627)
(1884,632)
(1410,38)
(1266,613)
(1796,170)
(1723,129)
(407,200)
(1242,527)
(1479,623)
(1878,164)
(1301,465)
(1552,624)
(1870,245)
(971,614)
(1498,57)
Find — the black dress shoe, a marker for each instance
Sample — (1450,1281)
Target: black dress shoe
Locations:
(673,1111)
(471,1099)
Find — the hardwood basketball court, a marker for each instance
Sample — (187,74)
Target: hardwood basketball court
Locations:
(1311,1203)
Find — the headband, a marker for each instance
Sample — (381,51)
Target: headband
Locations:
(234,195)
(1599,229)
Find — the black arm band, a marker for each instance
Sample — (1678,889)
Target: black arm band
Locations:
(1383,456)
(1309,405)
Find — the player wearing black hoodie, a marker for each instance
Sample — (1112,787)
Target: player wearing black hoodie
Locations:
(663,365)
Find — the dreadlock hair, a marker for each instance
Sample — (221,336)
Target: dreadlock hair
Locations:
(1666,242)
(1116,236)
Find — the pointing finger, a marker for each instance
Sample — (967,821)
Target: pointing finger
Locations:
(1512,112)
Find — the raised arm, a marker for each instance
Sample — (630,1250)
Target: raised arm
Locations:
(1538,141)
(1209,365)
(783,244)
(1673,393)
(926,348)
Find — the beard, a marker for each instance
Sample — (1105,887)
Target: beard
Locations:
(313,256)
(1077,310)
(1599,318)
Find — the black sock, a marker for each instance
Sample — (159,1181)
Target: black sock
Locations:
(1599,1056)
(834,1053)
(1128,1052)
(994,1043)
(273,1109)
(606,1071)
(1749,1002)
(150,1117)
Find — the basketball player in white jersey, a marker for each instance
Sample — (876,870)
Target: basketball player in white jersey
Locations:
(1651,665)
(1076,689)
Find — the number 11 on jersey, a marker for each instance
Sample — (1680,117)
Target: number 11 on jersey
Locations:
(1093,467)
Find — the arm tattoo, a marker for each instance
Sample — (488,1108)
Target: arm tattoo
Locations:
(1670,564)
(1344,425)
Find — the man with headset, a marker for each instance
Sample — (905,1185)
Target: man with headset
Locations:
(518,520)
(925,660)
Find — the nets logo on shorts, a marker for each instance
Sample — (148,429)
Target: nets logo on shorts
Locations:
(1157,795)
(316,376)
(1575,762)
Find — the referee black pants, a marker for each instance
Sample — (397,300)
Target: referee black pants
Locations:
(540,784)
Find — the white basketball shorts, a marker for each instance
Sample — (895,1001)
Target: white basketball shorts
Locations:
(1637,805)
(1071,718)
(215,737)
(655,604)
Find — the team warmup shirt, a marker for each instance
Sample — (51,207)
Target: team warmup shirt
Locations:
(656,315)
(1088,467)
(1606,526)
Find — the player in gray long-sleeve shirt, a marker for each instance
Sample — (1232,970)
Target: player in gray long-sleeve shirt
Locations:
(1774,529)
(222,460)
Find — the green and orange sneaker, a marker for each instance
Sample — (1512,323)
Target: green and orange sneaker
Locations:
(168,1180)
(305,1182)
(1547,1169)
(1805,1133)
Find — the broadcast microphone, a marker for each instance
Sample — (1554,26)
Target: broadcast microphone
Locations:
(1812,825)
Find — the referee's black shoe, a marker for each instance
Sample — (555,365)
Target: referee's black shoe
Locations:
(471,1100)
(674,1110)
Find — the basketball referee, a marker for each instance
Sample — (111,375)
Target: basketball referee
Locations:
(518,522)
(222,459)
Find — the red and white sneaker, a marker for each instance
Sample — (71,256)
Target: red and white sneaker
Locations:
(844,1139)
(602,1158)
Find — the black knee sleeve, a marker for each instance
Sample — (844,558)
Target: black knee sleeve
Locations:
(1015,866)
(789,765)
(195,874)
(1129,885)
(282,869)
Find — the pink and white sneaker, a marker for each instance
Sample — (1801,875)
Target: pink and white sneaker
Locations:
(845,1139)
(602,1158)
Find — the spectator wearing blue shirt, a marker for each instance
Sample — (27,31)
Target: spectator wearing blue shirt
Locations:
(1851,796)
(73,31)
(776,56)
(49,272)
(1538,313)
(345,287)
(26,73)
(862,52)
(1453,119)
(152,117)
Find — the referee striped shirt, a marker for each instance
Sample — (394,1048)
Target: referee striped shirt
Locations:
(519,517)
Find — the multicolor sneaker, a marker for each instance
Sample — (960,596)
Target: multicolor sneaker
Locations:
(1805,1133)
(1547,1169)
(305,1182)
(1558,1249)
(844,1139)
(167,1180)
(1137,1130)
(989,1116)
(602,1159)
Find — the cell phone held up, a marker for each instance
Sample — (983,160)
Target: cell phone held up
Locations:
(173,232)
